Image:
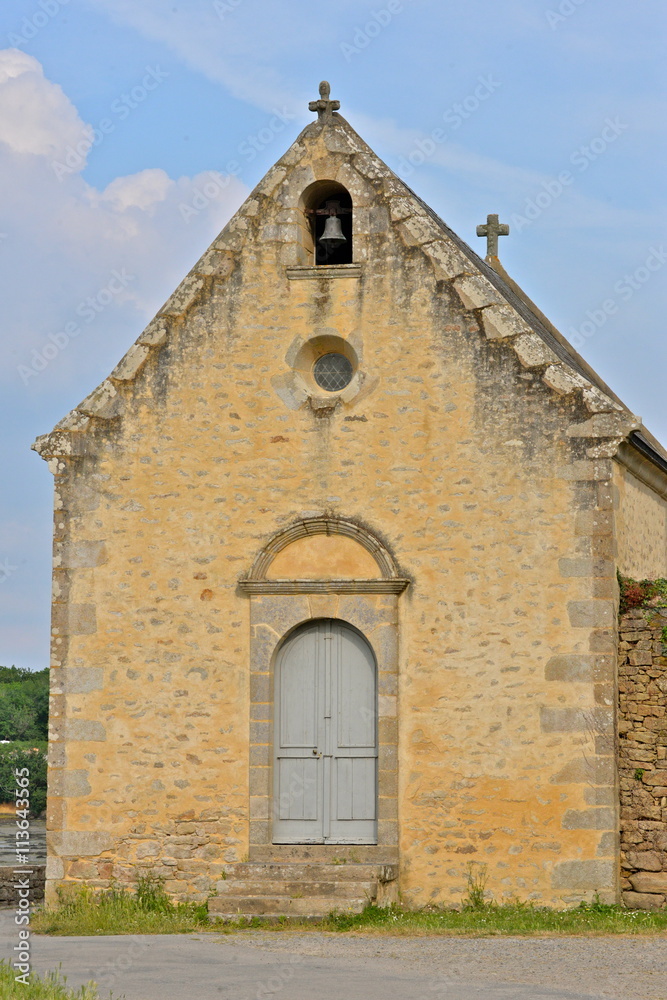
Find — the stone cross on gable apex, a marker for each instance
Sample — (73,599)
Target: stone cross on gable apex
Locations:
(492,230)
(324,106)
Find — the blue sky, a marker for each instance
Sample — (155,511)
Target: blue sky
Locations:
(548,112)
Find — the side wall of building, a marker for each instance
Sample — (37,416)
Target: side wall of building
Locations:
(641,521)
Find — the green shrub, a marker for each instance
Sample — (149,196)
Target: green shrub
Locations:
(639,593)
(14,756)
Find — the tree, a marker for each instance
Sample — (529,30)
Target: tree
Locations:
(24,704)
(24,720)
(16,756)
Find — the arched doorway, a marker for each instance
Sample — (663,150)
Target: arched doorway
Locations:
(325,737)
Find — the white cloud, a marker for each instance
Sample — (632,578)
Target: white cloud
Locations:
(35,115)
(61,242)
(145,190)
(75,236)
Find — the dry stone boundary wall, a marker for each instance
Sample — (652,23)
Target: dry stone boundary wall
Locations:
(8,880)
(642,726)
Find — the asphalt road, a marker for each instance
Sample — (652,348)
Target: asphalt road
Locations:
(258,965)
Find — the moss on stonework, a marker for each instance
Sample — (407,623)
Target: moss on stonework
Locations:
(642,594)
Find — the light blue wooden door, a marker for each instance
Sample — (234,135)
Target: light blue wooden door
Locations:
(325,737)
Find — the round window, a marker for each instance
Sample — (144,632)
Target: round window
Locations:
(333,372)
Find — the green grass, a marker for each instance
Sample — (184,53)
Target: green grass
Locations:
(51,987)
(491,919)
(145,910)
(148,910)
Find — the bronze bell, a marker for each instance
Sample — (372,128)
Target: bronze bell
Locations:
(332,236)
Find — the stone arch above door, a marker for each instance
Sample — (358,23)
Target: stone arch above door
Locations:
(346,552)
(277,607)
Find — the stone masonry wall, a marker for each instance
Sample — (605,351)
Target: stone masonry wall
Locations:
(482,463)
(642,729)
(8,892)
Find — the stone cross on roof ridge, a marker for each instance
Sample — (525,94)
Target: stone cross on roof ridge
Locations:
(324,106)
(492,230)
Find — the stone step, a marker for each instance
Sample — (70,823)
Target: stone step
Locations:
(368,854)
(311,872)
(294,889)
(233,907)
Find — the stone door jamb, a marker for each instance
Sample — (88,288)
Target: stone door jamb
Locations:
(276,608)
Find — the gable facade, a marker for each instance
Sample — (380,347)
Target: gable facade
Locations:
(416,573)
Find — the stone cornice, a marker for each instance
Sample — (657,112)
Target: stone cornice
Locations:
(642,468)
(392,586)
(300,271)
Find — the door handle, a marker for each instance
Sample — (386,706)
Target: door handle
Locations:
(316,753)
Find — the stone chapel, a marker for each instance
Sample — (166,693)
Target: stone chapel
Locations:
(335,604)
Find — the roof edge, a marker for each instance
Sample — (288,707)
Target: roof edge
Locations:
(586,369)
(637,456)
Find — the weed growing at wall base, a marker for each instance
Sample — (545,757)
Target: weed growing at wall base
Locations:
(84,912)
(145,910)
